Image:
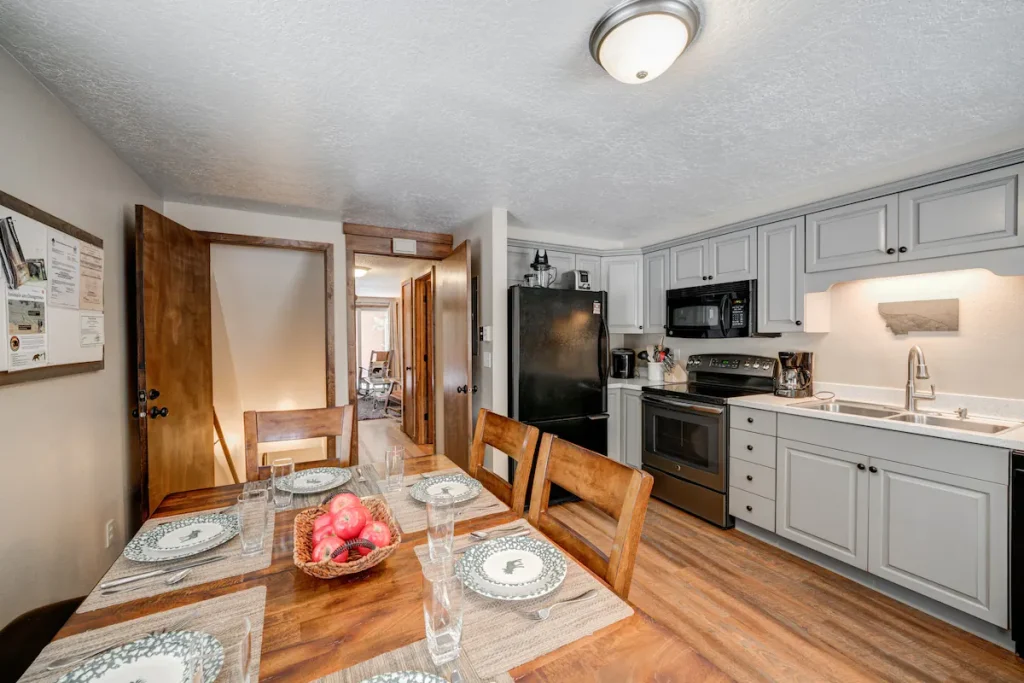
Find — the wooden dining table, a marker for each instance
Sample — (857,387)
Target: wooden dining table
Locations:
(314,627)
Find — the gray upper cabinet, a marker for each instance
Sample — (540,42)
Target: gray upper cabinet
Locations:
(520,258)
(622,278)
(655,285)
(861,234)
(688,265)
(733,256)
(780,267)
(562,262)
(981,212)
(591,264)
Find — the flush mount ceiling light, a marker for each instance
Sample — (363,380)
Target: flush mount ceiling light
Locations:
(639,40)
(359,272)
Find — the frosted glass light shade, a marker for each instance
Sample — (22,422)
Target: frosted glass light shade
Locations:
(638,40)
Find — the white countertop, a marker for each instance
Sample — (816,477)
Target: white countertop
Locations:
(1012,438)
(633,383)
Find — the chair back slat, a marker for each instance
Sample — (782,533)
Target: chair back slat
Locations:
(619,491)
(289,425)
(514,439)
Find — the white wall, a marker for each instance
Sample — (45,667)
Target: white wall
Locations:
(271,354)
(488,237)
(67,446)
(982,358)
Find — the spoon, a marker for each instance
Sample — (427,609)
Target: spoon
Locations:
(174,579)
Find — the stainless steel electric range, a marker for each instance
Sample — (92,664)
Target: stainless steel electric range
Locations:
(686,431)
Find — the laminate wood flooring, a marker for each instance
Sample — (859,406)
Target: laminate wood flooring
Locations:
(761,614)
(375,436)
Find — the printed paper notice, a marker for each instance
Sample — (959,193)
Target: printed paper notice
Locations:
(91,325)
(90,266)
(26,328)
(63,271)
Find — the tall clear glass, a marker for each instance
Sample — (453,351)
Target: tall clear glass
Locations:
(442,610)
(279,469)
(440,525)
(394,467)
(252,520)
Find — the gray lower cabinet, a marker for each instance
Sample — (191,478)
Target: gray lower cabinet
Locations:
(688,265)
(861,234)
(622,277)
(733,256)
(980,212)
(780,266)
(822,500)
(942,535)
(615,424)
(632,428)
(655,286)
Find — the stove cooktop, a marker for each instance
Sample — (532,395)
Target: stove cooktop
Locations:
(703,392)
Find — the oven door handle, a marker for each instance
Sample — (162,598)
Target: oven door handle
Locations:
(681,405)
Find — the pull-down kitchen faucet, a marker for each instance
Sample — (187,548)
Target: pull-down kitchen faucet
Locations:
(916,367)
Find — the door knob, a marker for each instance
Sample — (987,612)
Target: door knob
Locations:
(153,394)
(462,390)
(155,412)
(475,388)
(135,413)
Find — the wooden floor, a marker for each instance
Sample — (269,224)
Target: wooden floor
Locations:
(761,614)
(375,436)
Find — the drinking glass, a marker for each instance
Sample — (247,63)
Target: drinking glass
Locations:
(279,469)
(440,525)
(252,520)
(195,657)
(394,467)
(442,610)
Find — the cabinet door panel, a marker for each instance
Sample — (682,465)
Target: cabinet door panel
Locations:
(780,267)
(655,286)
(519,260)
(942,535)
(591,264)
(822,501)
(860,234)
(977,213)
(622,279)
(688,264)
(562,262)
(615,424)
(734,256)
(632,436)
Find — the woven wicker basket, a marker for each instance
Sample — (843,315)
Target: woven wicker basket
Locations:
(329,569)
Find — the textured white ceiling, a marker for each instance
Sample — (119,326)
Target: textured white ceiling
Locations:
(425,113)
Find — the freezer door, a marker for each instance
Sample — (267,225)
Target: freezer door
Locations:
(559,353)
(590,432)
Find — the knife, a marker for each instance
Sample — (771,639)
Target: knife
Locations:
(516,534)
(160,572)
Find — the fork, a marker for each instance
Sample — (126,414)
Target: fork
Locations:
(175,578)
(545,612)
(65,662)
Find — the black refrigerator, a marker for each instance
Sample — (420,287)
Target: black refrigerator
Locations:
(559,360)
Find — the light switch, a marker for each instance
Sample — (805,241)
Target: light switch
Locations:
(487,359)
(487,334)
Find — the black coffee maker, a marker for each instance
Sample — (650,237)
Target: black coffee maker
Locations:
(623,363)
(796,374)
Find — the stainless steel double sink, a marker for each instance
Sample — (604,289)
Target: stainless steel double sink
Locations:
(899,415)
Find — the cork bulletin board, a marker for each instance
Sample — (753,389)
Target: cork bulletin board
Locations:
(51,295)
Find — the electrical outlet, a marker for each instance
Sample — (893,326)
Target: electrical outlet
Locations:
(487,359)
(110,532)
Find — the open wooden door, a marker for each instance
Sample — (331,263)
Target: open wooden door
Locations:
(456,349)
(423,361)
(175,381)
(409,404)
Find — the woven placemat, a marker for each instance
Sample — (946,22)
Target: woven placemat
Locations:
(414,657)
(222,617)
(412,514)
(233,565)
(497,639)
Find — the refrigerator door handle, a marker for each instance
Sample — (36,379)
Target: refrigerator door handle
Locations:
(604,363)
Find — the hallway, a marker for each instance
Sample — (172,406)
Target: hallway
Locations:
(376,436)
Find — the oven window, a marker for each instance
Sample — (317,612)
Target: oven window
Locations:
(690,443)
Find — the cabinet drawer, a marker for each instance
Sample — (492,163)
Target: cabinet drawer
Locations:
(752,478)
(752,447)
(747,419)
(752,508)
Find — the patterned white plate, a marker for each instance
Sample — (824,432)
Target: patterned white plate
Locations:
(182,538)
(316,480)
(459,486)
(516,568)
(406,677)
(158,658)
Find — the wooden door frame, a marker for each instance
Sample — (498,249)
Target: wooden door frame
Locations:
(325,248)
(375,240)
(425,309)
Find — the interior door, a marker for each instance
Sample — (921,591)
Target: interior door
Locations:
(175,364)
(423,357)
(455,328)
(409,404)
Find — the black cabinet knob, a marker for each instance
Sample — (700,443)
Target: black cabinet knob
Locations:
(903,250)
(711,277)
(799,323)
(860,466)
(750,447)
(890,250)
(750,477)
(750,420)
(872,469)
(750,508)
(704,278)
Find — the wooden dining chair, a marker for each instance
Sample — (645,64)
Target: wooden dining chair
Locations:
(285,425)
(514,439)
(617,490)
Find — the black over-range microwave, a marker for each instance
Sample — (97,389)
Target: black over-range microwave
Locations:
(713,311)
